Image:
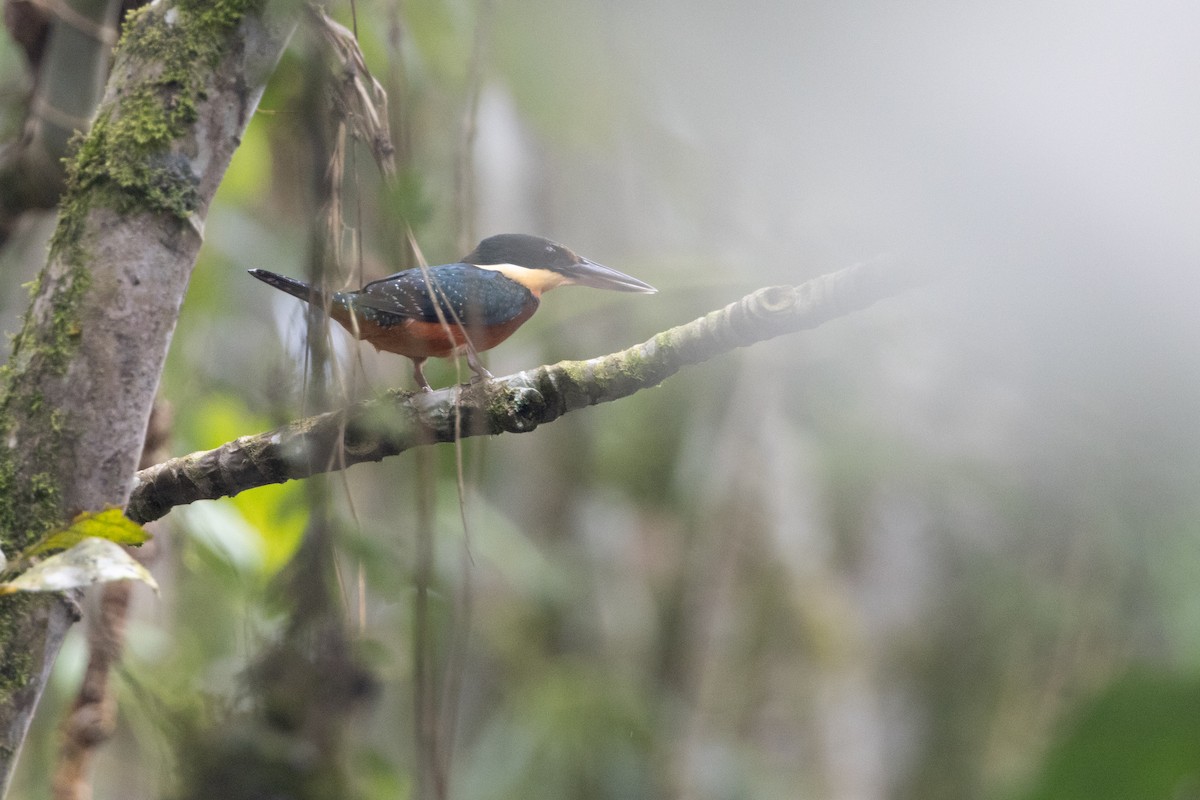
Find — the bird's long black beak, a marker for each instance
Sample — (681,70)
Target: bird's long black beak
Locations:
(598,276)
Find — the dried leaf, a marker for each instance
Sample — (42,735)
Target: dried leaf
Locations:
(89,562)
(360,98)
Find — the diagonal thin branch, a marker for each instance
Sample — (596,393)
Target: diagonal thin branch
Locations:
(398,421)
(69,65)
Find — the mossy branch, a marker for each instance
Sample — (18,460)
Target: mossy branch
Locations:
(398,421)
(76,392)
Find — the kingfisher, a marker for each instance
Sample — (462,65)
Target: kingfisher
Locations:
(466,307)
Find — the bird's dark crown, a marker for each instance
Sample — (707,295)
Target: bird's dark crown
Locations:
(522,250)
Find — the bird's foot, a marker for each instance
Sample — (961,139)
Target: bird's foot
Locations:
(419,376)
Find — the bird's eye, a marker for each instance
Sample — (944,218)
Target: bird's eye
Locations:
(549,248)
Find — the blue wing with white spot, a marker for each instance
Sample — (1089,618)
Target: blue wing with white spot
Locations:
(472,295)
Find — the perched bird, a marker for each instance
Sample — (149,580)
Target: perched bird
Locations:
(470,306)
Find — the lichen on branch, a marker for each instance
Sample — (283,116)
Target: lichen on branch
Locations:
(398,421)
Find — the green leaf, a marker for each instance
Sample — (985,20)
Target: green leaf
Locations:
(1139,738)
(110,524)
(89,562)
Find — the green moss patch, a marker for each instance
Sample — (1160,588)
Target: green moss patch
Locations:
(126,162)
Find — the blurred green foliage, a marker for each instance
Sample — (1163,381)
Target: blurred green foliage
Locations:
(1139,738)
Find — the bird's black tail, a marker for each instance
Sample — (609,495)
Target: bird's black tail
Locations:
(285,284)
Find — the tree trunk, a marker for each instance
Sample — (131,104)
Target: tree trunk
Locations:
(80,382)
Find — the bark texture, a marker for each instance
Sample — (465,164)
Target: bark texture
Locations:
(80,383)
